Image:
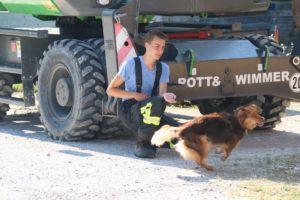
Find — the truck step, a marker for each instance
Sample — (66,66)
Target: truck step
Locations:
(12,100)
(11,69)
(24,33)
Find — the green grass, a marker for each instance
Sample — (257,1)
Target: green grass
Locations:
(268,190)
(19,87)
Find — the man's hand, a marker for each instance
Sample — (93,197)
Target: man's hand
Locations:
(169,97)
(141,96)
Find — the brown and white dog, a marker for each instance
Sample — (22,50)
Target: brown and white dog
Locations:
(221,130)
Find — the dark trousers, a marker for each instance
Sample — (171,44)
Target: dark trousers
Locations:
(142,117)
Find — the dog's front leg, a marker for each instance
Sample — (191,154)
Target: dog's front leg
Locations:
(200,160)
(225,155)
(206,166)
(227,150)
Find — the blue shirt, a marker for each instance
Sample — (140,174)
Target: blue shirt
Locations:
(127,72)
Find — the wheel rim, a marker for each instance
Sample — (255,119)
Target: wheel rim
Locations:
(60,92)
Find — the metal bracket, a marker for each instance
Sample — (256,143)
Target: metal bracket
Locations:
(128,17)
(227,86)
(110,43)
(29,69)
(295,61)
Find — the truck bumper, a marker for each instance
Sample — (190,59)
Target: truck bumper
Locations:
(236,77)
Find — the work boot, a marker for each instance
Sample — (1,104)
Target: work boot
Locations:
(144,149)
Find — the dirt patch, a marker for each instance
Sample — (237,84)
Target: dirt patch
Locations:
(266,165)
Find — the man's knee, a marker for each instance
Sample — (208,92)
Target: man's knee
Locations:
(157,104)
(151,111)
(129,115)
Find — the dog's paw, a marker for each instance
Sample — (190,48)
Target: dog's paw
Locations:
(210,168)
(224,157)
(157,140)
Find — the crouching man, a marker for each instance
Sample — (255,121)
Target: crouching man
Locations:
(145,95)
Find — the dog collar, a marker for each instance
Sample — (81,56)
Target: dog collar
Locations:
(171,145)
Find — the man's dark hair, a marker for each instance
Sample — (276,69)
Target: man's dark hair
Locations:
(152,33)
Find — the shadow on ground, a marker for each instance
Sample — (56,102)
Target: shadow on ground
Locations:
(262,154)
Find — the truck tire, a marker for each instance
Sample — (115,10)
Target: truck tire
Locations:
(207,106)
(71,88)
(273,108)
(109,126)
(262,40)
(6,82)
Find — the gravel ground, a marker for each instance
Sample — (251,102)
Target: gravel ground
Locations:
(265,165)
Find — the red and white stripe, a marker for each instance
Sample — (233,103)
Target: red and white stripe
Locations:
(125,47)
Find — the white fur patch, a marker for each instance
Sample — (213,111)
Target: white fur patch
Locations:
(161,136)
(185,152)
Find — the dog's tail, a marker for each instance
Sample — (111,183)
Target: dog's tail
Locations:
(165,134)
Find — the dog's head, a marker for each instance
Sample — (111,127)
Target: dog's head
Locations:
(248,117)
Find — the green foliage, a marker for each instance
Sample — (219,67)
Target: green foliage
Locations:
(19,88)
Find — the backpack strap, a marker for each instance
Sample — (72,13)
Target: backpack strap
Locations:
(138,74)
(155,89)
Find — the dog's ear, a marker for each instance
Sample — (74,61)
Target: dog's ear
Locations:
(241,112)
(238,108)
(256,108)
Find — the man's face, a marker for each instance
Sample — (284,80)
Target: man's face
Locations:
(155,48)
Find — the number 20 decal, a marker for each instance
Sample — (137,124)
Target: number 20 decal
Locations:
(295,83)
